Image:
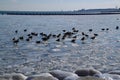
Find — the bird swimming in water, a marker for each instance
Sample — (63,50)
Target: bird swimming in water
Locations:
(15,41)
(90,30)
(27,39)
(117,27)
(38,42)
(21,37)
(58,40)
(16,31)
(25,30)
(73,40)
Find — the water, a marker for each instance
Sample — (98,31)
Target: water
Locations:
(103,53)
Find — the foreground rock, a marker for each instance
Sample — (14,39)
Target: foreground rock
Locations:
(62,75)
(115,72)
(88,72)
(14,76)
(44,76)
(90,78)
(81,74)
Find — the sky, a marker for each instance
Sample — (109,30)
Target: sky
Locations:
(56,5)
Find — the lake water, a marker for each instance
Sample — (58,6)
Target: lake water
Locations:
(102,53)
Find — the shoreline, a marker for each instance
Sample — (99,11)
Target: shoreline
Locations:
(80,74)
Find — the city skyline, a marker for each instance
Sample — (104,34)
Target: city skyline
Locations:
(56,5)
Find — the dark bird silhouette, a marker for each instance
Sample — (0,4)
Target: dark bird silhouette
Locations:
(58,35)
(54,36)
(107,29)
(83,38)
(21,37)
(74,37)
(25,30)
(95,34)
(102,29)
(117,27)
(73,40)
(15,41)
(16,31)
(86,35)
(30,37)
(93,37)
(90,30)
(44,38)
(38,42)
(27,39)
(83,33)
(58,40)
(64,30)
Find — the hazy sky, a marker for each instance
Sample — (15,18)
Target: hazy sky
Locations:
(51,5)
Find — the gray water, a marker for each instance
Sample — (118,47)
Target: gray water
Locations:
(103,53)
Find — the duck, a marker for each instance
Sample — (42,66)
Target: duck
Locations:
(38,42)
(117,27)
(90,30)
(21,37)
(25,30)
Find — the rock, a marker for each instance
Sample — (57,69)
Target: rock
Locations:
(43,76)
(15,76)
(88,72)
(115,72)
(71,78)
(4,77)
(93,72)
(61,75)
(82,72)
(18,77)
(90,78)
(111,76)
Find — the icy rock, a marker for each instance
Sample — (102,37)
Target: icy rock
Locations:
(61,75)
(43,76)
(90,78)
(111,76)
(115,72)
(88,72)
(15,76)
(72,78)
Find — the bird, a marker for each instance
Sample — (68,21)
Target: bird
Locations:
(90,30)
(102,29)
(15,41)
(107,29)
(58,35)
(16,31)
(27,39)
(30,37)
(83,38)
(74,37)
(117,27)
(83,33)
(38,42)
(73,40)
(58,40)
(21,37)
(93,37)
(25,30)
(95,34)
(64,30)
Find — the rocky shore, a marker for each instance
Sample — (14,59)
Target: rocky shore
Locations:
(81,74)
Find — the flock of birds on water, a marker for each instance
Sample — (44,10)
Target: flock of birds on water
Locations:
(60,37)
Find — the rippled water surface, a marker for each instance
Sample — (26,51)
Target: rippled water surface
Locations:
(102,53)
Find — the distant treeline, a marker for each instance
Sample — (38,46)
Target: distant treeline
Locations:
(78,12)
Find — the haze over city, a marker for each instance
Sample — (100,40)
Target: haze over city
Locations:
(56,5)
